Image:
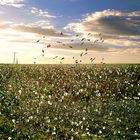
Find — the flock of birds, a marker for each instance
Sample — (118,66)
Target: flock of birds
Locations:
(82,42)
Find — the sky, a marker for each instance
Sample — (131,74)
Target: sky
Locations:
(69,31)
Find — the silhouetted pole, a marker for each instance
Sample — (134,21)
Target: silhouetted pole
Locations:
(14,59)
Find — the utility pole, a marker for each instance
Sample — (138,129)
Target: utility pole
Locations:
(14,59)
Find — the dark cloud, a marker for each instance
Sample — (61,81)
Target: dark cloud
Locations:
(111,22)
(114,25)
(119,25)
(37,30)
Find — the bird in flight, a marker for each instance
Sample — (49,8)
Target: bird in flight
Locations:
(70,47)
(58,42)
(96,40)
(37,41)
(43,51)
(92,59)
(61,33)
(55,57)
(49,45)
(76,61)
(103,41)
(62,58)
(81,54)
(82,43)
(82,39)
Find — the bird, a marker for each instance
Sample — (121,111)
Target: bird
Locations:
(89,33)
(76,61)
(103,41)
(55,57)
(58,42)
(62,58)
(81,54)
(43,51)
(72,40)
(85,53)
(61,33)
(42,54)
(49,45)
(77,35)
(82,43)
(100,34)
(72,57)
(92,59)
(96,40)
(88,40)
(70,46)
(82,39)
(37,41)
(86,49)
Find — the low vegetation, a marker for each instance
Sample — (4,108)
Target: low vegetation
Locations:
(76,102)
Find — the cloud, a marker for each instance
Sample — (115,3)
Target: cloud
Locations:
(111,22)
(36,30)
(14,3)
(45,24)
(41,13)
(118,28)
(41,27)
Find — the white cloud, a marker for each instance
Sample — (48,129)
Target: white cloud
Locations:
(43,23)
(14,3)
(41,13)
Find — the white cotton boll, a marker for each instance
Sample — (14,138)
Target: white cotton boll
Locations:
(9,138)
(100,132)
(13,120)
(103,127)
(49,102)
(84,118)
(19,91)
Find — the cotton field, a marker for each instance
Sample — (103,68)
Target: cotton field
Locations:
(71,102)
